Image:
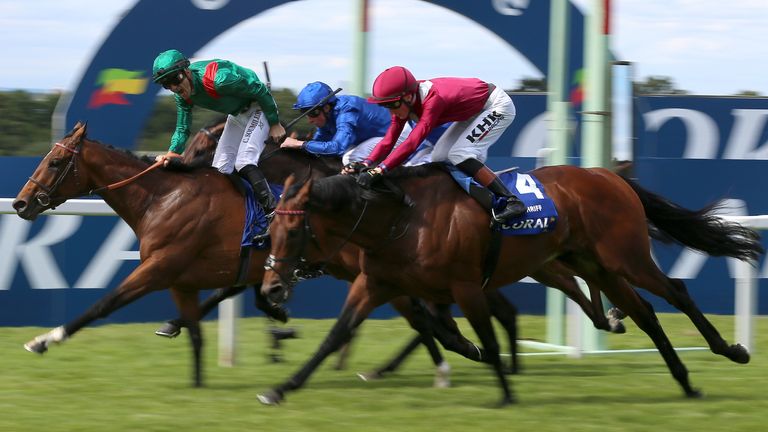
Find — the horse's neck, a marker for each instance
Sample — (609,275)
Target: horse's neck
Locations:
(283,163)
(106,166)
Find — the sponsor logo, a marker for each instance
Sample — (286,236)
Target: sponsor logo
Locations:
(485,126)
(534,223)
(114,85)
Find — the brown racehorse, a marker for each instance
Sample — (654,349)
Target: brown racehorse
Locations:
(433,247)
(189,225)
(200,151)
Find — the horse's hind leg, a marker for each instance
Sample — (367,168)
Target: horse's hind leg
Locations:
(622,294)
(172,328)
(645,274)
(420,319)
(506,313)
(186,301)
(556,275)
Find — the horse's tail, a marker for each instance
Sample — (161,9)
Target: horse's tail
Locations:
(701,229)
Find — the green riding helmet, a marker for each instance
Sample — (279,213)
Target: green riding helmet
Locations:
(168,63)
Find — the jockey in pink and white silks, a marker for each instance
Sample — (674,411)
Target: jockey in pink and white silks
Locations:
(480,113)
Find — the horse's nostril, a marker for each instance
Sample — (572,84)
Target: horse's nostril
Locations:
(19,205)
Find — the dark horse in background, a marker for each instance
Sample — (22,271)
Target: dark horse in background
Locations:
(438,255)
(200,152)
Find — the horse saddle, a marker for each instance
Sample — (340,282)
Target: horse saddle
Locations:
(256,221)
(541,216)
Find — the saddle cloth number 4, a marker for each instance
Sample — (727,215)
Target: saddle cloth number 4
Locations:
(525,185)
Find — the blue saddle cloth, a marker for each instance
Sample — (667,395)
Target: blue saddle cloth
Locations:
(542,214)
(255,220)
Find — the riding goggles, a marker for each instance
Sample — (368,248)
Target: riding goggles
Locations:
(314,113)
(395,104)
(172,80)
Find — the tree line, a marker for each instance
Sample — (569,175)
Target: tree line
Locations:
(25,118)
(25,121)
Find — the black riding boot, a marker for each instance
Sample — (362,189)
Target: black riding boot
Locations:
(253,174)
(483,175)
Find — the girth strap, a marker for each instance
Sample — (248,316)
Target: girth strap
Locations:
(492,255)
(245,261)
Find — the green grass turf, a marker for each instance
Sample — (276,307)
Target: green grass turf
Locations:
(123,378)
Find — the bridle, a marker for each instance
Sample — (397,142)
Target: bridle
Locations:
(302,269)
(44,198)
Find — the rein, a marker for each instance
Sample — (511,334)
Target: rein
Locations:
(44,198)
(210,135)
(122,183)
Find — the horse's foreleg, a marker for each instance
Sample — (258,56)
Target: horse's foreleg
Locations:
(472,302)
(393,364)
(140,282)
(357,307)
(506,313)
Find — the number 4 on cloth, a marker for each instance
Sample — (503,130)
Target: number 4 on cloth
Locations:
(525,185)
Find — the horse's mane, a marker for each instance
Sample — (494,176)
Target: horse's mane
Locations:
(147,160)
(330,193)
(426,170)
(341,191)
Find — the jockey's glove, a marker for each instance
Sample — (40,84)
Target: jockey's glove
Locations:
(354,168)
(367,178)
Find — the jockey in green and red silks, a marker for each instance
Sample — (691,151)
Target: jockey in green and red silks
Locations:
(480,113)
(225,87)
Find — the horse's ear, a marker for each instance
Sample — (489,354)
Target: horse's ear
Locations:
(289,182)
(78,132)
(304,191)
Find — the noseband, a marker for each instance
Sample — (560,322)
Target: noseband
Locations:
(302,269)
(44,198)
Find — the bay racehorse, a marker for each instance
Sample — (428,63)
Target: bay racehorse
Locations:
(441,235)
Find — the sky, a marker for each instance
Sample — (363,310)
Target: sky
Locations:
(706,46)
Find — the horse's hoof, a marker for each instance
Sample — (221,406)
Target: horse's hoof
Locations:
(169,330)
(506,401)
(617,327)
(739,354)
(510,369)
(271,397)
(442,382)
(616,313)
(694,394)
(370,376)
(34,346)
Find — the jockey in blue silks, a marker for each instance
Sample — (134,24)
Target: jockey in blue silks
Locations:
(347,126)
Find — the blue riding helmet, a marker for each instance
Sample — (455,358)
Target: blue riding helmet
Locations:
(312,94)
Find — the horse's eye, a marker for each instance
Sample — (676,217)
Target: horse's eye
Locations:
(292,234)
(54,163)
